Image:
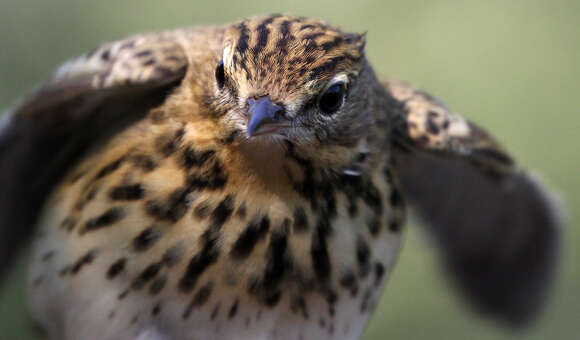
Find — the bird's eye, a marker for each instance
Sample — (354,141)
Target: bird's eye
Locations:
(332,99)
(220,74)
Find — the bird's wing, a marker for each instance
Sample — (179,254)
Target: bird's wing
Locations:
(496,226)
(84,102)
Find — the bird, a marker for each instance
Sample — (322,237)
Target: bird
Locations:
(251,181)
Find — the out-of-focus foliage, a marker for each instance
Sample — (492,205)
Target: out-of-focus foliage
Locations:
(512,66)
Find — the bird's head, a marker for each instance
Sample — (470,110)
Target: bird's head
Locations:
(285,79)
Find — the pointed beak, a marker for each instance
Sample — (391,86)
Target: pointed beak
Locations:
(265,117)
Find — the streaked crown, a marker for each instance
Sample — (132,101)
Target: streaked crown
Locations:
(284,55)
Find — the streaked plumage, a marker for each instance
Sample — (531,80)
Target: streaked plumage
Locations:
(248,181)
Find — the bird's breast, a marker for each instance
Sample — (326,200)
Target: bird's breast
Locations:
(164,233)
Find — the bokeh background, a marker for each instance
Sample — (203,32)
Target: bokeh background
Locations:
(512,66)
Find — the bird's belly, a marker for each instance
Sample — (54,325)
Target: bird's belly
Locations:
(88,306)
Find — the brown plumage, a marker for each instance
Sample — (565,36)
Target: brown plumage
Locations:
(249,181)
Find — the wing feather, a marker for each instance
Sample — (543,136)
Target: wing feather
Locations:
(496,226)
(86,101)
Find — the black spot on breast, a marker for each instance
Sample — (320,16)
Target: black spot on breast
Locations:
(319,253)
(352,207)
(144,162)
(230,138)
(202,295)
(87,197)
(212,178)
(108,218)
(156,309)
(146,239)
(353,188)
(272,299)
(379,272)
(173,255)
(199,299)
(116,268)
(123,295)
(366,300)
(222,212)
(127,192)
(210,250)
(394,225)
(191,158)
(349,281)
(372,198)
(241,211)
(110,168)
(215,311)
(169,143)
(275,258)
(146,275)
(157,285)
(233,309)
(374,226)
(388,175)
(352,185)
(308,187)
(363,256)
(173,208)
(83,261)
(298,305)
(199,263)
(300,220)
(255,231)
(331,299)
(328,205)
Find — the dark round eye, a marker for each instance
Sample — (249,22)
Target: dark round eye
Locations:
(220,74)
(332,99)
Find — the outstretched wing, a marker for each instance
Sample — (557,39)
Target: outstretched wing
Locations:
(496,226)
(86,101)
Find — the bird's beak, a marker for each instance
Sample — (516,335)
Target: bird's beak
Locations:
(265,117)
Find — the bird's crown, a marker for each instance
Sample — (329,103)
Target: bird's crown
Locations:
(287,54)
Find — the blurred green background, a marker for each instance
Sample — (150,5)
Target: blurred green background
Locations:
(512,66)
